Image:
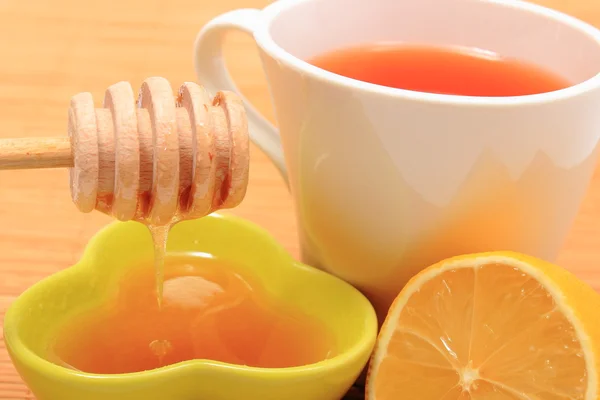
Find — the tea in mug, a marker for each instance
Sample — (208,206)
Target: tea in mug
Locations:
(442,70)
(210,310)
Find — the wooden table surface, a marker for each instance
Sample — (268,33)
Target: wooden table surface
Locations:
(51,50)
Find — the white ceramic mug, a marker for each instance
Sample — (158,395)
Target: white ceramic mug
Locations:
(387,181)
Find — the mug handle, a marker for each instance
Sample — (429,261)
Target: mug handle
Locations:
(213,74)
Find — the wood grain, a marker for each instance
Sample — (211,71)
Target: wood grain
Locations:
(54,49)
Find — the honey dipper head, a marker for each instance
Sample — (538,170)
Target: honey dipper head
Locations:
(161,158)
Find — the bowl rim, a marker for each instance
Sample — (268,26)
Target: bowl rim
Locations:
(361,348)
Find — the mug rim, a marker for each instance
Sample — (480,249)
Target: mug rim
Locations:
(266,42)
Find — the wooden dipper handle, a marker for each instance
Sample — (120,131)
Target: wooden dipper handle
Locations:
(158,159)
(30,153)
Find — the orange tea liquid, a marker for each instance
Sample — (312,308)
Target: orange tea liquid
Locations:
(457,71)
(209,311)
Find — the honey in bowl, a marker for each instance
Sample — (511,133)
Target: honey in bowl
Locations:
(210,310)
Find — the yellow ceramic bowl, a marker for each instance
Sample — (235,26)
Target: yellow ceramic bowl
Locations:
(29,321)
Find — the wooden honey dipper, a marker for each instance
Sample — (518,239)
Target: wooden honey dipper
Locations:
(163,159)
